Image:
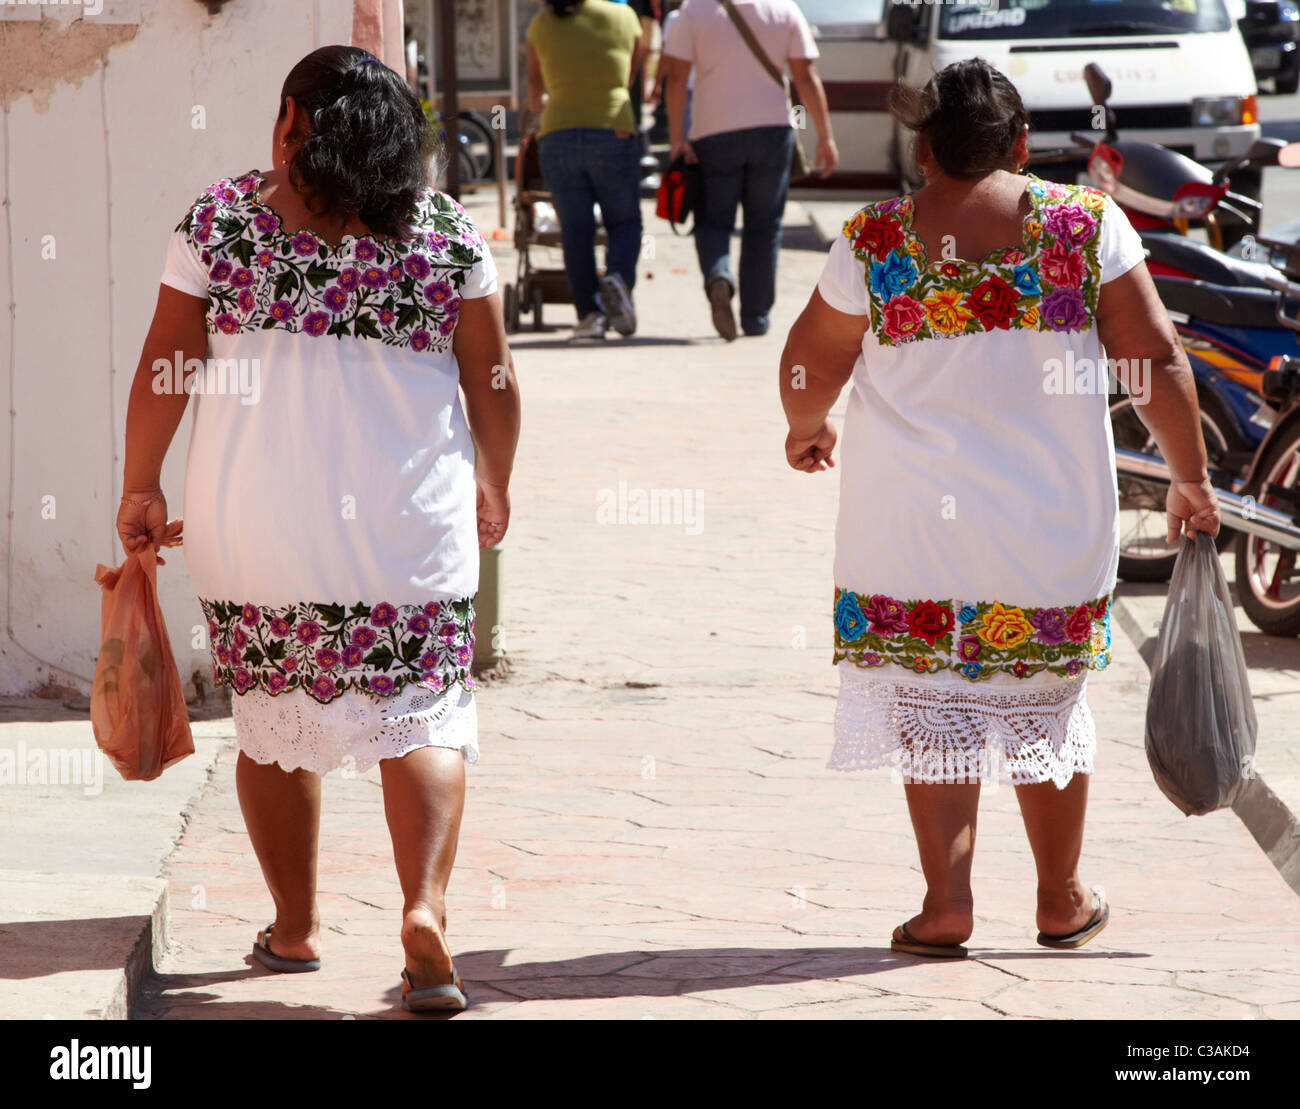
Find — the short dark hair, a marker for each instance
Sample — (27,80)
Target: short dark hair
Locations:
(366,148)
(969,113)
(563,7)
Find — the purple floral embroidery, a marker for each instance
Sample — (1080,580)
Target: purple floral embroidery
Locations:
(403,293)
(1069,223)
(885,616)
(324,649)
(1063,310)
(1050,625)
(336,300)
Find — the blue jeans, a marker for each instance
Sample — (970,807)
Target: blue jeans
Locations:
(583,166)
(749,169)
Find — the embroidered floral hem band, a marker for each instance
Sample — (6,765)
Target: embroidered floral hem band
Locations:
(324,649)
(975,639)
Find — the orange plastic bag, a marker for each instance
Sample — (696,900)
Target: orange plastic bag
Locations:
(137,706)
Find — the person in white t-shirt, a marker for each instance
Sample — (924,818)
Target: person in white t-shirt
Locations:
(741,136)
(977,540)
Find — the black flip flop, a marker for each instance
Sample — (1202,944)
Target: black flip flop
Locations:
(910,945)
(269,959)
(1099,919)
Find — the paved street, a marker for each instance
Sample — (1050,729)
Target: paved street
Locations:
(651,831)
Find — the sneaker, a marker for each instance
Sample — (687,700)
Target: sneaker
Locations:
(617,302)
(591,326)
(719,291)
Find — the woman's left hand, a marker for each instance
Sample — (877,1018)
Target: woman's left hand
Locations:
(809,454)
(140,525)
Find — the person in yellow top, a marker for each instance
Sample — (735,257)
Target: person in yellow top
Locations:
(582,57)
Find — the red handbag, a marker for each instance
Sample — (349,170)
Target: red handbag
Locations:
(679,190)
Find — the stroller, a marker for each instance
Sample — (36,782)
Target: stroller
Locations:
(536,225)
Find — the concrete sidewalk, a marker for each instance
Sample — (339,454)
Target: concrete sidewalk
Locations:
(652,831)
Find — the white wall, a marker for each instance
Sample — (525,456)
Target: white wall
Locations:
(98,150)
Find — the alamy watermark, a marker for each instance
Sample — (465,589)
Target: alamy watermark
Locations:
(237,377)
(1073,376)
(634,505)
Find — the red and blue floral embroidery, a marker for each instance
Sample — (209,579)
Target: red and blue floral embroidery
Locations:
(1048,283)
(975,639)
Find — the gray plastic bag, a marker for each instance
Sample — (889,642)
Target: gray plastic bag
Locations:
(1200,719)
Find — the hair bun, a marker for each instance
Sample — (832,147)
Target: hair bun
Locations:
(970,114)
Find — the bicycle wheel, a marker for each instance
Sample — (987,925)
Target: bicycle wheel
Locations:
(478,141)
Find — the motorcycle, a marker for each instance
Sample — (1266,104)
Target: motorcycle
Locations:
(1230,308)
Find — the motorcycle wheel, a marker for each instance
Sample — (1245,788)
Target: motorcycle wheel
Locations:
(1268,577)
(1143,553)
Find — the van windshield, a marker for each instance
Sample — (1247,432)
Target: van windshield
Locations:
(1055,19)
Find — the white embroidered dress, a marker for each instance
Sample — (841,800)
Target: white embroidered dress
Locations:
(330,525)
(977,540)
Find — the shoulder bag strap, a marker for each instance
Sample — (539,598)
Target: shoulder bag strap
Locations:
(755,47)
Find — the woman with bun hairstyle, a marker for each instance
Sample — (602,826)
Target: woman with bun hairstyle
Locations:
(977,540)
(337,498)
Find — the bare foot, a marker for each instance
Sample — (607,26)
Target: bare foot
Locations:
(1061,912)
(428,959)
(946,926)
(288,946)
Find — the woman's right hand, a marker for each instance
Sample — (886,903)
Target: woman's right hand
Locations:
(809,454)
(682,149)
(1191,506)
(493,513)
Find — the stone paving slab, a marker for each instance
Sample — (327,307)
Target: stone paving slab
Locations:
(652,831)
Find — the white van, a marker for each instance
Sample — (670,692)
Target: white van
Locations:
(1181,72)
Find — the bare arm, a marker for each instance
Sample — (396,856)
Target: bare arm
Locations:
(819,356)
(812,95)
(677,75)
(487,377)
(179,329)
(1149,361)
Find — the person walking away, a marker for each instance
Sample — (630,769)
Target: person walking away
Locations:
(740,135)
(977,542)
(583,56)
(333,522)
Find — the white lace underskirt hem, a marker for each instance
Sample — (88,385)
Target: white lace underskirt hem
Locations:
(944,729)
(355,730)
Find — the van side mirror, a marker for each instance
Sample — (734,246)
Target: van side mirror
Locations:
(1099,87)
(902,22)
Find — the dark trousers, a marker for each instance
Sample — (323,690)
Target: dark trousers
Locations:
(582,167)
(749,169)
